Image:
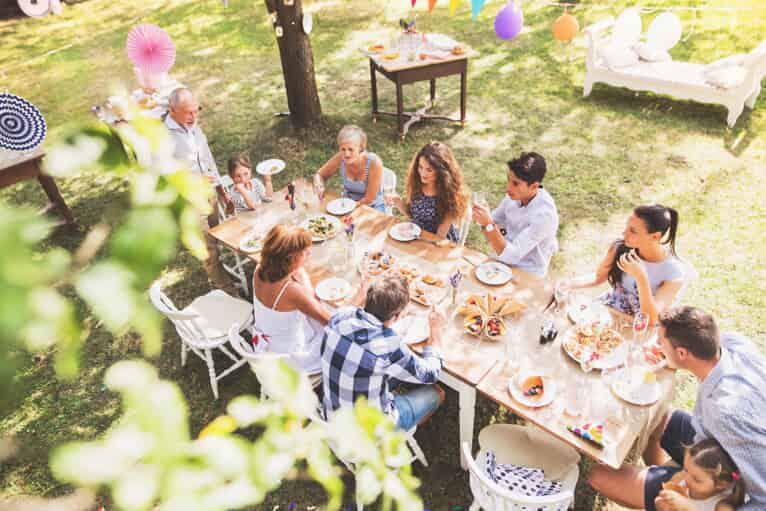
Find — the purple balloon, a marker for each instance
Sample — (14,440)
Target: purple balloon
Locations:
(509,21)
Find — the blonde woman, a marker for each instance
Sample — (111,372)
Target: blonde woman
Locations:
(287,314)
(436,199)
(362,171)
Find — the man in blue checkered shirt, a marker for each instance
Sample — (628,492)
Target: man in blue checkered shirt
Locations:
(363,356)
(730,407)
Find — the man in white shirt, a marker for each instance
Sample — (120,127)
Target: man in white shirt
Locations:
(522,230)
(191,147)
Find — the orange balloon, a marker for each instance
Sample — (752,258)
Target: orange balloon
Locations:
(565,28)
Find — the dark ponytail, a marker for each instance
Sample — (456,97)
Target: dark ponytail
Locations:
(656,218)
(708,455)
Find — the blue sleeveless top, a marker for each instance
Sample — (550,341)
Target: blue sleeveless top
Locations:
(358,189)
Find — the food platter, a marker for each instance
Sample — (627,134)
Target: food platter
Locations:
(427,290)
(585,311)
(483,313)
(333,289)
(252,243)
(322,227)
(609,349)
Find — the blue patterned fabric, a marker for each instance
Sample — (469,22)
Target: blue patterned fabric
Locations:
(526,481)
(424,214)
(624,296)
(356,190)
(22,126)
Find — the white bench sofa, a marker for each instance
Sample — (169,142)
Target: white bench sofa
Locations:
(683,80)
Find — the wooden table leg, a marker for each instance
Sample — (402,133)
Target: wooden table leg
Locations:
(52,191)
(399,108)
(433,90)
(374,90)
(463,95)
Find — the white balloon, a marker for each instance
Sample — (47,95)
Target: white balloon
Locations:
(34,8)
(664,31)
(627,29)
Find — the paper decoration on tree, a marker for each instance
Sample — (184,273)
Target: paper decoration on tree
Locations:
(476,7)
(413,2)
(431,4)
(453,5)
(22,126)
(151,49)
(565,28)
(509,21)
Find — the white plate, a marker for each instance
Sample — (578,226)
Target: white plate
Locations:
(244,245)
(493,273)
(333,220)
(549,385)
(270,167)
(586,311)
(333,289)
(342,206)
(636,392)
(412,329)
(404,231)
(615,358)
(441,42)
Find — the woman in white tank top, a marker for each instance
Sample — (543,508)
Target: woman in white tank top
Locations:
(287,314)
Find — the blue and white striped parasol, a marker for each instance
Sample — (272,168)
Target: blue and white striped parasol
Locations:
(22,126)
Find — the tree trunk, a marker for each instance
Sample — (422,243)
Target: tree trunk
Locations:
(297,62)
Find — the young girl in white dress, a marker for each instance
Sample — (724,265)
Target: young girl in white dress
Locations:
(709,481)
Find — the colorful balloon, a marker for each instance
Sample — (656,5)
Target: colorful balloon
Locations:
(453,5)
(565,28)
(509,21)
(431,4)
(664,31)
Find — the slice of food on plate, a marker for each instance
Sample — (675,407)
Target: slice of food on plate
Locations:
(420,295)
(432,281)
(391,56)
(477,300)
(532,387)
(495,327)
(376,48)
(468,310)
(474,324)
(498,302)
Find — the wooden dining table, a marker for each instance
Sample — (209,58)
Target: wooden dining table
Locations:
(471,364)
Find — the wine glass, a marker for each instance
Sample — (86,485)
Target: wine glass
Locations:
(640,327)
(561,294)
(480,199)
(389,193)
(318,186)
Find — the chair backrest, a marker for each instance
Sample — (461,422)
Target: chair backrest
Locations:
(493,497)
(755,63)
(464,228)
(227,185)
(690,276)
(186,324)
(389,178)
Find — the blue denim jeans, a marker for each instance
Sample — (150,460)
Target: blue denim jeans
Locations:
(415,404)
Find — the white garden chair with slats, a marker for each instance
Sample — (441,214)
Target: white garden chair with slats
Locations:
(232,261)
(203,326)
(528,447)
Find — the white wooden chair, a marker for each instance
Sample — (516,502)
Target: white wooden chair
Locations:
(522,446)
(232,261)
(389,181)
(683,80)
(245,349)
(350,463)
(203,326)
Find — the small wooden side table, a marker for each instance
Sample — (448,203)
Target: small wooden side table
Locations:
(28,166)
(403,72)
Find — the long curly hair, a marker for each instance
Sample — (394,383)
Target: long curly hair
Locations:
(451,197)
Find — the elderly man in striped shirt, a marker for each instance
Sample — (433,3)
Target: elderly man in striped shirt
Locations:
(730,407)
(363,357)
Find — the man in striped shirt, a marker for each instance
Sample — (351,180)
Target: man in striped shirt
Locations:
(363,357)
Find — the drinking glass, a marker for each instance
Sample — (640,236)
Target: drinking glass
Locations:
(304,199)
(318,186)
(480,199)
(586,359)
(639,329)
(575,397)
(561,295)
(389,192)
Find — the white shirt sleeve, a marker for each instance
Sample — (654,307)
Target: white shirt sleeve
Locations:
(498,215)
(541,227)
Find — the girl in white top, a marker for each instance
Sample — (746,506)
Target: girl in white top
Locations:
(709,481)
(642,268)
(287,314)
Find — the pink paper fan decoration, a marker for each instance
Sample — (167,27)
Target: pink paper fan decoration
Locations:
(151,49)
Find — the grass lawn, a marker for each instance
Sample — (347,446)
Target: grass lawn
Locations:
(606,154)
